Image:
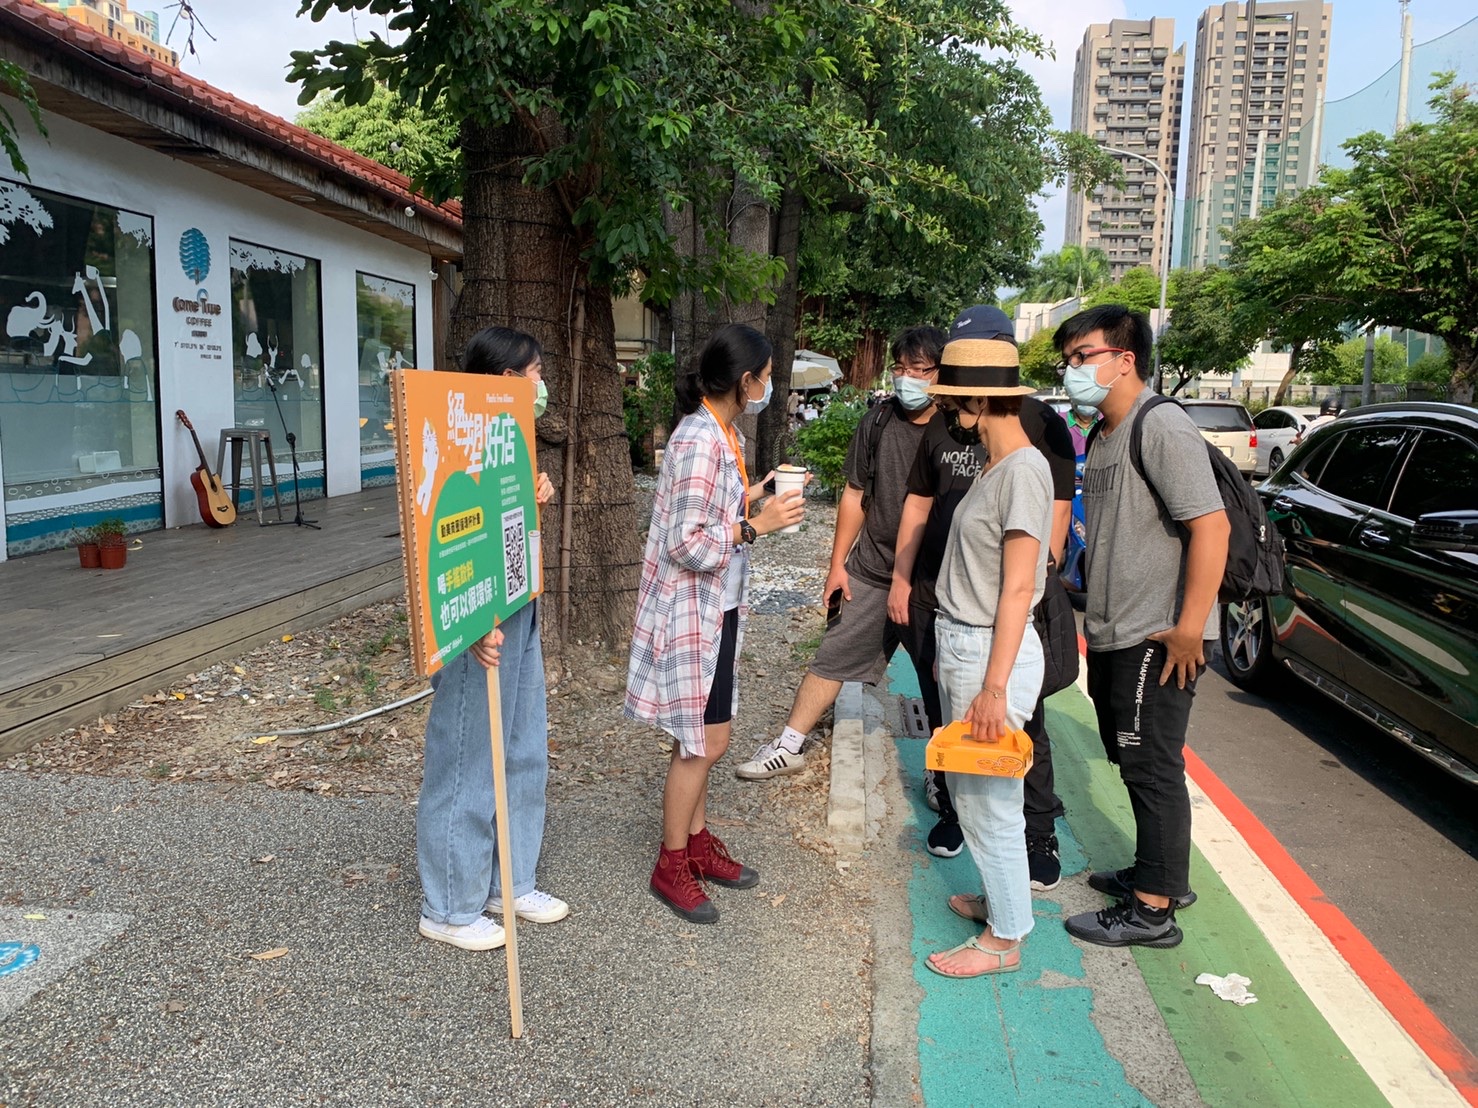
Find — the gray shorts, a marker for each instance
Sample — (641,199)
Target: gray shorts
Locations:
(859,643)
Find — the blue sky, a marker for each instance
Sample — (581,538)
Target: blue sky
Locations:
(250,54)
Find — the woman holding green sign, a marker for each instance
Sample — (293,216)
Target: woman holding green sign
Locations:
(456,838)
(691,605)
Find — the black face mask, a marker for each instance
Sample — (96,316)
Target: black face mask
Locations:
(965,436)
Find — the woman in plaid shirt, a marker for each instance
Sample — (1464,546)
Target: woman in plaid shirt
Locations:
(691,607)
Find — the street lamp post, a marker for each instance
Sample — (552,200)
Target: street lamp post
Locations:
(1164,245)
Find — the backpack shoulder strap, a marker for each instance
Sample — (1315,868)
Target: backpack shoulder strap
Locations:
(1136,446)
(870,436)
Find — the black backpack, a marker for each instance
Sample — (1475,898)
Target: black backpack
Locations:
(1254,547)
(869,434)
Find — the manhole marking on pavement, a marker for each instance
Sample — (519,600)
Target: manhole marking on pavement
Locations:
(17,956)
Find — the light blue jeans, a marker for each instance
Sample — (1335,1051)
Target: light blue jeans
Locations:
(456,839)
(990,807)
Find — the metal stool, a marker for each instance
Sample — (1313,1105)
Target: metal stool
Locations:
(260,441)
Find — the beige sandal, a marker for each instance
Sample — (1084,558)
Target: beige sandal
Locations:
(972,943)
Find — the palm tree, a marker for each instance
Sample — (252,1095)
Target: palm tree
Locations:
(1072,271)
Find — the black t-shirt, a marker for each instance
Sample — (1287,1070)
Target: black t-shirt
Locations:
(896,445)
(944,471)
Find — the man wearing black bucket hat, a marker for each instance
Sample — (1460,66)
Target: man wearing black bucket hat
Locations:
(950,459)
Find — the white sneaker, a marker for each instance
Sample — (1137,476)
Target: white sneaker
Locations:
(534,907)
(481,934)
(770,760)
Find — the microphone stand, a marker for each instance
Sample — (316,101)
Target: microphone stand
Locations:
(292,447)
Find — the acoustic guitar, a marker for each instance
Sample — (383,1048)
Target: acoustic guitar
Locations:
(216,508)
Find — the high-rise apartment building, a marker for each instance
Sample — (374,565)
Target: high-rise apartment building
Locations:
(138,30)
(1256,92)
(1128,82)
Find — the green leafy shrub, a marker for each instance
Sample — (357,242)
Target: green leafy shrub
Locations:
(649,404)
(822,443)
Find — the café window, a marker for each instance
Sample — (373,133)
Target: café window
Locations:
(386,320)
(79,421)
(277,357)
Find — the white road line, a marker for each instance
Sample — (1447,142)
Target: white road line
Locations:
(1398,1066)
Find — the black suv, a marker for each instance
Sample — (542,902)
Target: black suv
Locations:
(1378,510)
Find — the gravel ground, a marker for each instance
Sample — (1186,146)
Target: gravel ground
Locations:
(169,844)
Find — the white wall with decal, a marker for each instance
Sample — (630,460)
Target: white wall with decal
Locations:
(196,217)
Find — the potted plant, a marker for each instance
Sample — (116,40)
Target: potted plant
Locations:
(111,549)
(87,547)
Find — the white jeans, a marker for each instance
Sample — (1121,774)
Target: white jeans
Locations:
(990,807)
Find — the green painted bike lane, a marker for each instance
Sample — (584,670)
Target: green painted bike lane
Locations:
(1028,1038)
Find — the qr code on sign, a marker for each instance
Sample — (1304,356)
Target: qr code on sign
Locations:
(515,554)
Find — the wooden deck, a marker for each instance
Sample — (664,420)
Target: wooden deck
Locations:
(76,643)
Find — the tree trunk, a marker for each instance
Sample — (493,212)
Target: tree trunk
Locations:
(522,268)
(780,328)
(1464,368)
(1293,359)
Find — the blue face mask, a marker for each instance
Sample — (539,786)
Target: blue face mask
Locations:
(912,393)
(755,407)
(1081,384)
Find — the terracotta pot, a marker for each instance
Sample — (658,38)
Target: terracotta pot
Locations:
(112,555)
(89,555)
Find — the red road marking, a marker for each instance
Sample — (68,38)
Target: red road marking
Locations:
(1443,1047)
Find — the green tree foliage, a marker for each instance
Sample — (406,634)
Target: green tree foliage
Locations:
(822,443)
(961,132)
(649,404)
(1391,239)
(1138,290)
(1433,368)
(13,81)
(1202,335)
(1072,271)
(1039,361)
(391,130)
(1347,366)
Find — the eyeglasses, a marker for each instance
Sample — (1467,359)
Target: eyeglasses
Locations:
(1078,357)
(898,369)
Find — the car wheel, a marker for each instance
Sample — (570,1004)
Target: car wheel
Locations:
(1247,642)
(1275,459)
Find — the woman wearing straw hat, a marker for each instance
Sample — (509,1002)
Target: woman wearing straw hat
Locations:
(990,661)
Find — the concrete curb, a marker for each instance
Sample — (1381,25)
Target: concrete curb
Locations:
(846,805)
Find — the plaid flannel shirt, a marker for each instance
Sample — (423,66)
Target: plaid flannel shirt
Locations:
(679,607)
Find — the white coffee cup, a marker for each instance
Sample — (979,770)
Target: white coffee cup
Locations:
(790,479)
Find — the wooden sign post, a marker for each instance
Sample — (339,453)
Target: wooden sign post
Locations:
(469,528)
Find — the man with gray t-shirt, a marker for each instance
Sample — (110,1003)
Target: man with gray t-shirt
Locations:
(1156,550)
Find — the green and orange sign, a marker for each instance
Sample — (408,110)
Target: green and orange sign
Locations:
(468,523)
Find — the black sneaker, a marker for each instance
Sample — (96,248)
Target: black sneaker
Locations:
(1043,861)
(946,840)
(1123,924)
(1119,883)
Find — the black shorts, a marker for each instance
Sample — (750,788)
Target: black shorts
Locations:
(720,706)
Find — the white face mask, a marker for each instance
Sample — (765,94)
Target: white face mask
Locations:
(755,407)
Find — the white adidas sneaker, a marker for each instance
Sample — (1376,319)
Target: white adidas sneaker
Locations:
(770,760)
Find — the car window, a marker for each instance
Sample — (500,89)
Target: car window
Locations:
(1267,421)
(1360,462)
(1441,475)
(1219,417)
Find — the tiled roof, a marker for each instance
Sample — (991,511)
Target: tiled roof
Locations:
(193,96)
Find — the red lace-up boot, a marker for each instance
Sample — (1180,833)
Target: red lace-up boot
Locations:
(712,858)
(675,883)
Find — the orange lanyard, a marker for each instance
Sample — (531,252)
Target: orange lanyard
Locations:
(733,437)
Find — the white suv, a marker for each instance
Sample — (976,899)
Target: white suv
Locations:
(1226,425)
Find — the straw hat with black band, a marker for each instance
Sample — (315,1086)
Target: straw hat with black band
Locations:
(979,360)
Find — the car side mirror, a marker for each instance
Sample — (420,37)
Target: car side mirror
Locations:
(1454,531)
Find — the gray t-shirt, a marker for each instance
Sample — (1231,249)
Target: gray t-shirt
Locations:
(872,558)
(1135,557)
(1013,495)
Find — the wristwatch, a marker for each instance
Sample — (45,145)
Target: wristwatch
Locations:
(747,533)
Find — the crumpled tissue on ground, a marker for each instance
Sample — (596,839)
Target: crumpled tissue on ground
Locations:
(1232,987)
